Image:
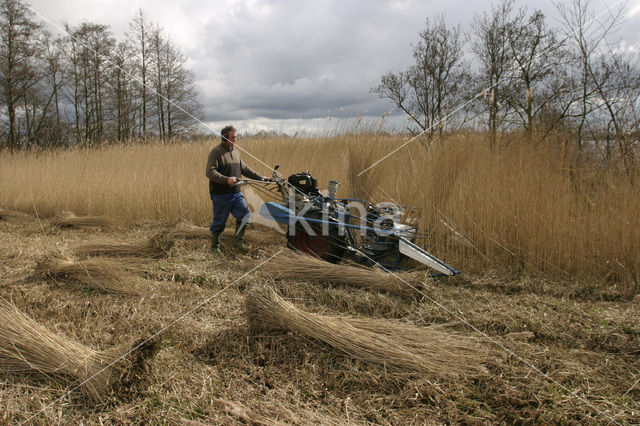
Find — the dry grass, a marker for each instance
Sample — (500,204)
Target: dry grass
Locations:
(243,414)
(104,275)
(68,219)
(212,369)
(155,247)
(28,347)
(299,266)
(400,347)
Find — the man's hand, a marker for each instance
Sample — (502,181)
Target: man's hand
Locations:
(266,179)
(232,180)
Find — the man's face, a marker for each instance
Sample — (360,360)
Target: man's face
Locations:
(231,139)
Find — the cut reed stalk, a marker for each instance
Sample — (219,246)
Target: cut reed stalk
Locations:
(70,220)
(156,247)
(308,268)
(26,346)
(398,346)
(14,216)
(104,275)
(188,230)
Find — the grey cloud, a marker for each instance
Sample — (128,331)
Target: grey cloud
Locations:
(311,59)
(305,97)
(306,62)
(282,59)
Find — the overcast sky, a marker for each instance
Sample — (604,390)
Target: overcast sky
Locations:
(284,65)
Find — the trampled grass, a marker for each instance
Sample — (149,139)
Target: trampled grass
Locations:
(524,207)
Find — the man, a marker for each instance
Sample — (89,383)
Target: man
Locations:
(224,169)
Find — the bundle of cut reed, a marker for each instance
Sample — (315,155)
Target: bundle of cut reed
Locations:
(14,216)
(70,220)
(98,274)
(155,247)
(26,346)
(398,346)
(189,230)
(295,265)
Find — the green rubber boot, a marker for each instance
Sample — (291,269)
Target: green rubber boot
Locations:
(215,244)
(238,239)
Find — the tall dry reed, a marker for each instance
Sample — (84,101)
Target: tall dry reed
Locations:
(524,206)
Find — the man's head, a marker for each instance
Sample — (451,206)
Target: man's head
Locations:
(228,135)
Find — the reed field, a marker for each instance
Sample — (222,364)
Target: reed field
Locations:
(114,311)
(529,207)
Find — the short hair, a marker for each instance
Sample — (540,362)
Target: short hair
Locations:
(224,133)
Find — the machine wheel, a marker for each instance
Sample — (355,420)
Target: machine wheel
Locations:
(327,247)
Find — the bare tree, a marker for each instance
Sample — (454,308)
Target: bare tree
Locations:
(18,74)
(85,83)
(140,32)
(170,85)
(538,60)
(588,36)
(53,67)
(73,78)
(90,49)
(608,79)
(182,105)
(620,97)
(158,46)
(40,102)
(430,88)
(121,92)
(492,49)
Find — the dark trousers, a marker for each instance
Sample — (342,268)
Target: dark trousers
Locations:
(223,204)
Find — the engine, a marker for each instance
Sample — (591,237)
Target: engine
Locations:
(305,183)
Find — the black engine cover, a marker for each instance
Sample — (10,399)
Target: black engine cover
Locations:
(304,182)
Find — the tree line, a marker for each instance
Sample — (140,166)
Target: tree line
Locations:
(512,71)
(86,87)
